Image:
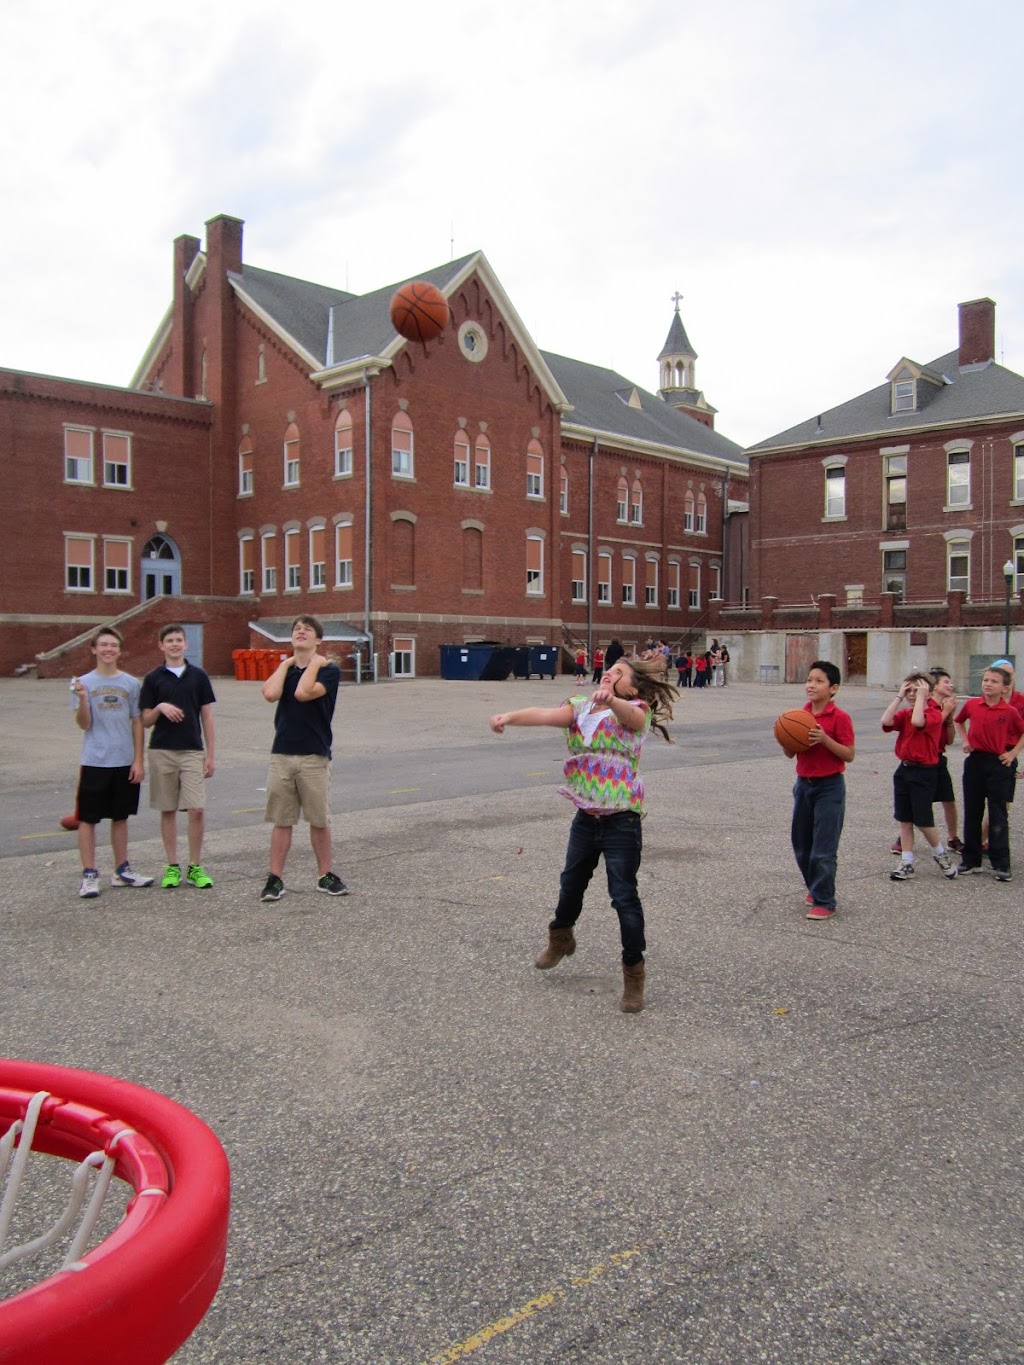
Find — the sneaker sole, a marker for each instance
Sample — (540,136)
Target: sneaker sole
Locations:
(327,892)
(139,886)
(819,912)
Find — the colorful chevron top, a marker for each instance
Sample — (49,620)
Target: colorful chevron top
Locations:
(601,770)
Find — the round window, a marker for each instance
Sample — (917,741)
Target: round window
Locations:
(472,342)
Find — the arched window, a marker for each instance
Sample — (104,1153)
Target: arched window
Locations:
(246,570)
(403,549)
(701,524)
(401,447)
(535,470)
(535,564)
(291,456)
(622,501)
(318,554)
(245,470)
(688,512)
(461,479)
(563,492)
(343,554)
(482,463)
(636,503)
(472,559)
(343,445)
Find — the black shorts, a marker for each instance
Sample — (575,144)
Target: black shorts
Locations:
(106,794)
(943,782)
(913,786)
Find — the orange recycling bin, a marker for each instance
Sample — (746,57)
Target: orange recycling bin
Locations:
(237,661)
(249,664)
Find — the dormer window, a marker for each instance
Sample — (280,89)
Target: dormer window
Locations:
(904,397)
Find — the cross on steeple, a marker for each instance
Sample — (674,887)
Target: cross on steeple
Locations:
(676,297)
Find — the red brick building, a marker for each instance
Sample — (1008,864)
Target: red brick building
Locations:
(908,494)
(282,449)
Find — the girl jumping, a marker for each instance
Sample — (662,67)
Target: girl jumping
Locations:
(605,734)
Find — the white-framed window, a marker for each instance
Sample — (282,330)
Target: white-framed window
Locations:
(651,585)
(563,491)
(715,586)
(401,447)
(628,581)
(291,457)
(343,445)
(604,577)
(117,459)
(622,501)
(482,463)
(894,570)
(317,557)
(79,552)
(1018,561)
(292,566)
(78,455)
(958,566)
(461,477)
(688,506)
(1018,471)
(246,572)
(672,589)
(904,396)
(403,657)
(268,561)
(534,470)
(245,469)
(701,522)
(958,478)
(694,591)
(636,504)
(343,554)
(535,565)
(117,564)
(895,476)
(835,491)
(579,575)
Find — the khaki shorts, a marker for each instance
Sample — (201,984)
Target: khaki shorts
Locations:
(299,781)
(176,779)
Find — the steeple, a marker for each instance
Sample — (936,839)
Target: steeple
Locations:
(677,365)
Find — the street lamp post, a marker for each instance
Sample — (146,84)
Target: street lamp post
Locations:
(1008,572)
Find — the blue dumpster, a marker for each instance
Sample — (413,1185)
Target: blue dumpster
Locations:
(543,660)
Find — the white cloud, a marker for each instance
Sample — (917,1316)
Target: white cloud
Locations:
(822,183)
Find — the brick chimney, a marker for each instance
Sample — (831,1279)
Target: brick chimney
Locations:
(179,372)
(224,243)
(977,331)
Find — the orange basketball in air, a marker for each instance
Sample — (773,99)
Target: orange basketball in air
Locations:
(419,311)
(792,729)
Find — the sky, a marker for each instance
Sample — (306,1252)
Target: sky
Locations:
(822,181)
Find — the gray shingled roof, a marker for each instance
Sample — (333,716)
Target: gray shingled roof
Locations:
(677,342)
(974,392)
(600,401)
(362,326)
(362,322)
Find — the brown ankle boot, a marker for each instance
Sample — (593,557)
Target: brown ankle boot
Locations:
(633,987)
(561,943)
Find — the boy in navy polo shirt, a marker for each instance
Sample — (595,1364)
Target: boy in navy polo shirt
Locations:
(992,733)
(819,795)
(918,740)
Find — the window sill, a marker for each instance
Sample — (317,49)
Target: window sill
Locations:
(249,494)
(344,587)
(286,486)
(403,587)
(826,520)
(404,478)
(119,487)
(80,483)
(472,592)
(960,507)
(317,587)
(535,497)
(338,477)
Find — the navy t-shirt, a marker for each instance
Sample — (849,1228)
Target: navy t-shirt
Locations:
(304,727)
(190,692)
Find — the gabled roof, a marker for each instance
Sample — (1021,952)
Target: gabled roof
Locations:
(601,407)
(971,394)
(677,342)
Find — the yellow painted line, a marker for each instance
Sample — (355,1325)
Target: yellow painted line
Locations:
(47,834)
(528,1310)
(400,791)
(247,810)
(542,774)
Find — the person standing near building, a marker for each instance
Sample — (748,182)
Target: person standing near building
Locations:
(305,688)
(177,702)
(107,709)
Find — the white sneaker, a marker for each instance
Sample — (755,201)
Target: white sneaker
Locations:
(945,863)
(90,887)
(124,876)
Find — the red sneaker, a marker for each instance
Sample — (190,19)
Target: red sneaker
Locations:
(897,848)
(820,912)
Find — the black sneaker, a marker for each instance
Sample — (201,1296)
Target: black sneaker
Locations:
(332,885)
(274,889)
(1003,874)
(964,871)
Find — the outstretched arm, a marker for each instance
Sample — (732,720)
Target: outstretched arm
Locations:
(558,716)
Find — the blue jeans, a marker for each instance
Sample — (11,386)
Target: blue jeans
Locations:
(620,839)
(819,805)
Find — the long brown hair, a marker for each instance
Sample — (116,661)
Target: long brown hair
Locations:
(653,688)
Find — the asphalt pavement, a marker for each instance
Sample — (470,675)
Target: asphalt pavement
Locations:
(806,1149)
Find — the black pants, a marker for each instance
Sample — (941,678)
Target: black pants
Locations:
(987,779)
(619,838)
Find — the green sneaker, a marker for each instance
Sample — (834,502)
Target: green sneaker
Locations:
(197,877)
(172,876)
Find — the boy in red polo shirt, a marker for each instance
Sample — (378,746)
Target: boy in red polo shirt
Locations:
(992,733)
(918,739)
(819,795)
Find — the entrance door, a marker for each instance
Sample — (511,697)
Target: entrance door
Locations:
(161,568)
(194,642)
(856,669)
(403,657)
(801,652)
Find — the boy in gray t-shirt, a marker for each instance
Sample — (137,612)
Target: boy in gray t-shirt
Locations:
(113,760)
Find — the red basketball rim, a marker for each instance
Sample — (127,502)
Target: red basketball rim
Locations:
(141,1292)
